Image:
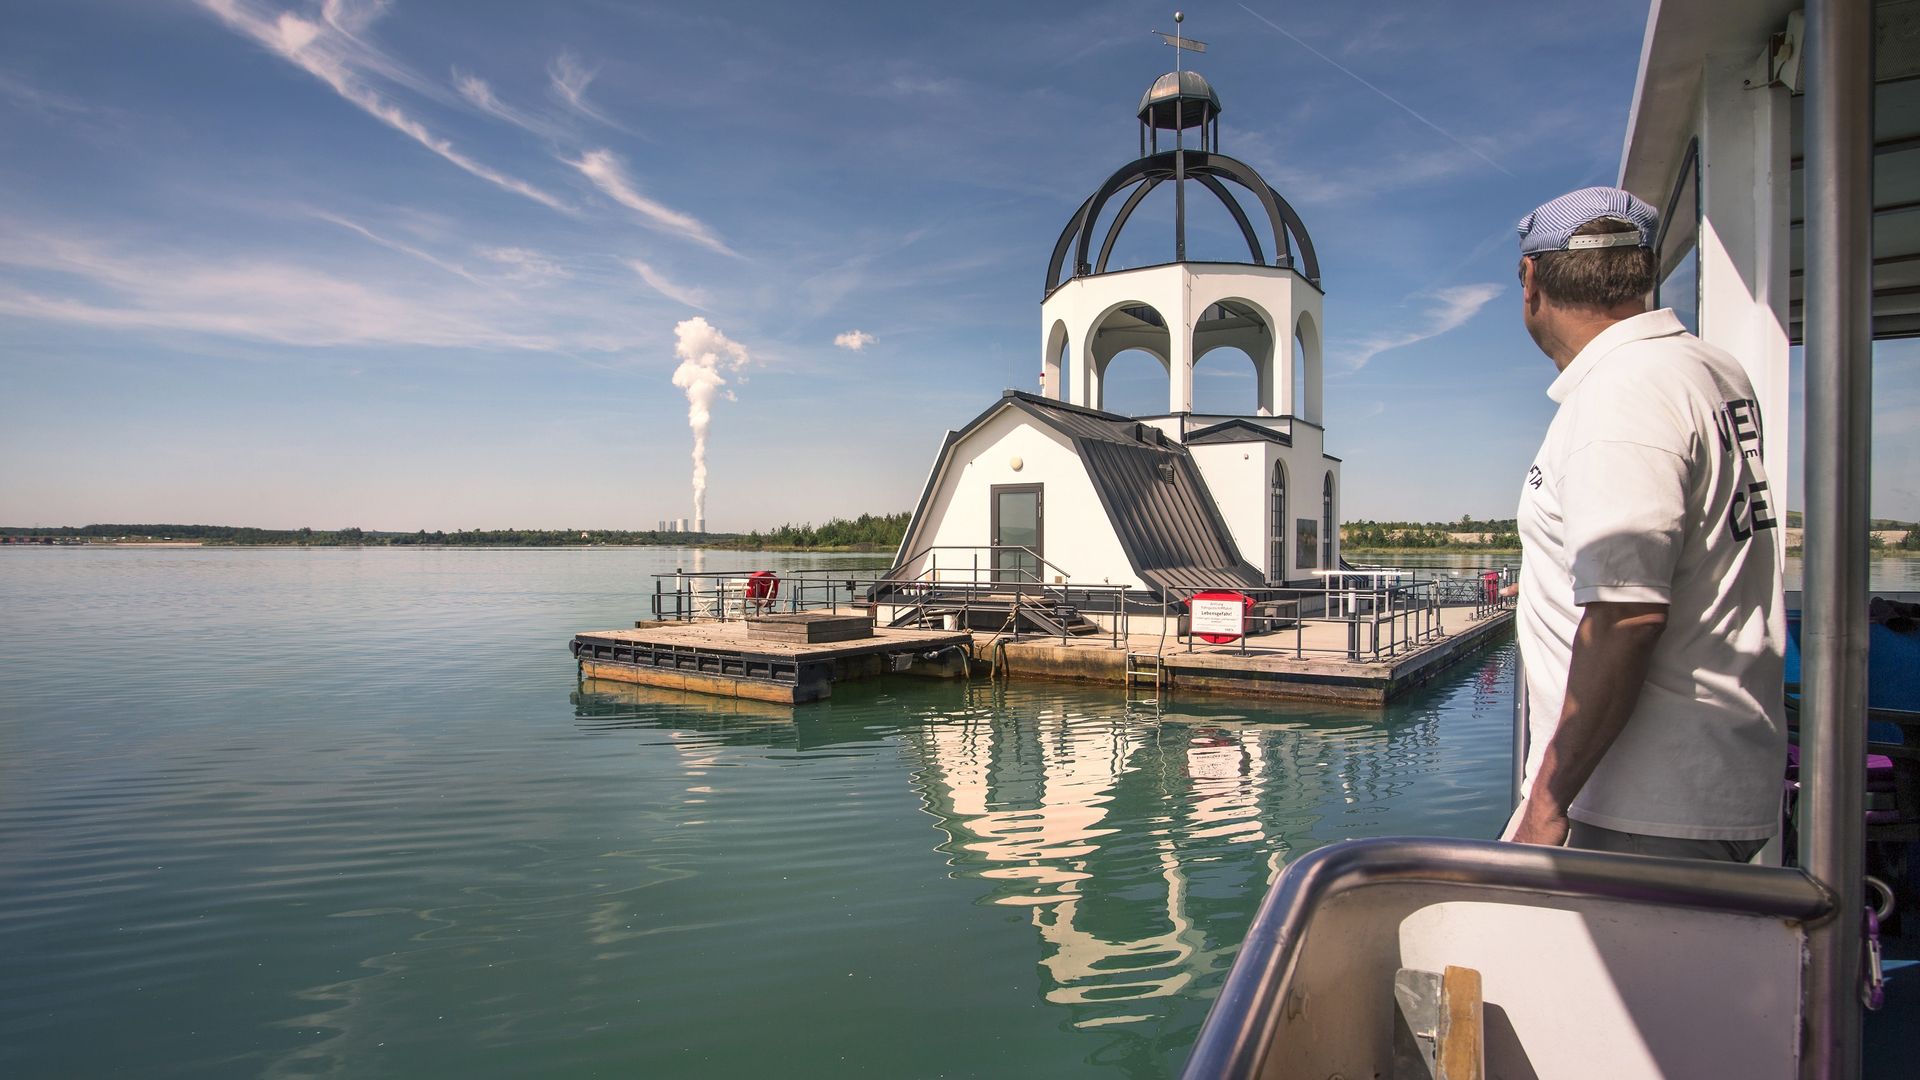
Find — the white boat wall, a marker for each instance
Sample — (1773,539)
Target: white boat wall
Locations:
(1449,958)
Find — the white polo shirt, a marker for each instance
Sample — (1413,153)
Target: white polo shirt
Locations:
(1649,489)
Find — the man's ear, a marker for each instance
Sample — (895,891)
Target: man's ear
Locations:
(1529,292)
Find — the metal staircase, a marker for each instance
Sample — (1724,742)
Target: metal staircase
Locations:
(1020,611)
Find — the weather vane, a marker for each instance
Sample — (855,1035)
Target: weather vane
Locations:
(1174,39)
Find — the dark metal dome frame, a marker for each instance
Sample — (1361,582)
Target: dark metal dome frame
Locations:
(1149,172)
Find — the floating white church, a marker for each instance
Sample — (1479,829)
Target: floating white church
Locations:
(1051,489)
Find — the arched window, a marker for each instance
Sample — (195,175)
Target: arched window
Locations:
(1326,524)
(1277,526)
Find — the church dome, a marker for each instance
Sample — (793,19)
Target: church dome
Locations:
(1179,100)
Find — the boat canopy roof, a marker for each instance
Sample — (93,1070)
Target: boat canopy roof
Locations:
(1686,39)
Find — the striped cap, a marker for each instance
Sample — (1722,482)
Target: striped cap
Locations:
(1550,227)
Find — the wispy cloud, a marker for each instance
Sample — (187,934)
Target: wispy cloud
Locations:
(523,266)
(608,174)
(660,283)
(569,79)
(333,51)
(83,281)
(481,96)
(924,85)
(1393,168)
(404,249)
(1403,106)
(854,340)
(25,95)
(1447,309)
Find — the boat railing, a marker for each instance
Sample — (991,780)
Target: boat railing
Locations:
(1576,949)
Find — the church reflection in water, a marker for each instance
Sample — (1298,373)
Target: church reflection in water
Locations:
(1138,842)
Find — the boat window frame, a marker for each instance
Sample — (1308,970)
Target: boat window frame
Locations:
(1689,172)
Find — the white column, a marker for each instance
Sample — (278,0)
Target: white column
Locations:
(1265,380)
(1085,387)
(1307,401)
(1745,181)
(1179,318)
(1283,352)
(1049,363)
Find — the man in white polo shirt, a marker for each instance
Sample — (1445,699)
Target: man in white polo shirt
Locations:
(1650,618)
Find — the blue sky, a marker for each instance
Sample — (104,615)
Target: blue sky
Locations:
(418,264)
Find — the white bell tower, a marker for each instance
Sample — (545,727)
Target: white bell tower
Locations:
(1267,471)
(1178,311)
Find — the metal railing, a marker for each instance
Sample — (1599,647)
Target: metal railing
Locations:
(727,595)
(1004,580)
(1385,612)
(1242,1034)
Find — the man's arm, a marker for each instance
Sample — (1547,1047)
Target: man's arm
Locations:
(1611,651)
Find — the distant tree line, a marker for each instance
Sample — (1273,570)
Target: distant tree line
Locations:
(1909,542)
(868,532)
(1467,534)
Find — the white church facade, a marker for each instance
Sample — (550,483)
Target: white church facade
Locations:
(1050,488)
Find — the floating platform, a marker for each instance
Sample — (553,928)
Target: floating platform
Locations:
(762,659)
(772,660)
(1268,666)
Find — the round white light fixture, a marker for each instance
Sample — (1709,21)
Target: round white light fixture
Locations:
(1015,462)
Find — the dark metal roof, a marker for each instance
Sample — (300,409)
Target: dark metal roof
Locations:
(1233,431)
(1166,520)
(1213,171)
(1179,99)
(1160,508)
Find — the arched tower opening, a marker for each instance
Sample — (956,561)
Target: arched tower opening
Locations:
(1133,382)
(1056,365)
(1238,324)
(1226,382)
(1128,326)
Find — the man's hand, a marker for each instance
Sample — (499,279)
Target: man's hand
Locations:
(1541,825)
(1611,652)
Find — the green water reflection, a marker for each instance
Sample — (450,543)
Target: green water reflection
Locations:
(1131,842)
(351,813)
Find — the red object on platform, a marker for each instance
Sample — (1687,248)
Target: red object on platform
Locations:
(1220,639)
(762,587)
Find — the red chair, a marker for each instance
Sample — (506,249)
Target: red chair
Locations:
(763,588)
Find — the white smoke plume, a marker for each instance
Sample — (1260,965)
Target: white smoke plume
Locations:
(707,356)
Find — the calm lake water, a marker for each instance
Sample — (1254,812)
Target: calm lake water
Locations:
(349,812)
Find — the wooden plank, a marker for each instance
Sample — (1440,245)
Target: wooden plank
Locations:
(732,638)
(1461,1053)
(810,635)
(703,683)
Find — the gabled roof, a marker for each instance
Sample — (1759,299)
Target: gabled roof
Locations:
(1166,519)
(1236,431)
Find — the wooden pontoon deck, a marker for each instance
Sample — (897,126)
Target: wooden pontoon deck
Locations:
(721,658)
